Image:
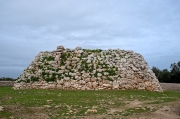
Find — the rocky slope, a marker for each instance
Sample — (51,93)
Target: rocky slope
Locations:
(84,69)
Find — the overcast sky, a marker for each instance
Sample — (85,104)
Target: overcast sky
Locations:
(149,27)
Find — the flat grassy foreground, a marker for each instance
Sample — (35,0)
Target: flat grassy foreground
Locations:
(54,104)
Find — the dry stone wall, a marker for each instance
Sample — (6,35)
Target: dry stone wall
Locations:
(6,83)
(84,69)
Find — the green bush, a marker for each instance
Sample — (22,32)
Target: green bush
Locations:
(50,79)
(62,63)
(92,51)
(109,79)
(69,54)
(19,81)
(28,81)
(50,58)
(40,66)
(7,79)
(33,78)
(111,72)
(64,56)
(57,69)
(46,63)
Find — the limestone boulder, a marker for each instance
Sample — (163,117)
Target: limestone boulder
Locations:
(107,85)
(66,85)
(60,47)
(78,48)
(94,84)
(115,84)
(57,58)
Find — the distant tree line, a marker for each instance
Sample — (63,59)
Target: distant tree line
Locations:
(172,76)
(7,79)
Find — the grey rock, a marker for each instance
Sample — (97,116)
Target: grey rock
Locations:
(60,47)
(1,108)
(107,85)
(78,48)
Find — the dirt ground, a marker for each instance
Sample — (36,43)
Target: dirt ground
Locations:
(166,110)
(169,110)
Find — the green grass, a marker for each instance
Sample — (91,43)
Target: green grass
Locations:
(70,103)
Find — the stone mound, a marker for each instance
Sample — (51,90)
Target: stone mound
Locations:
(85,69)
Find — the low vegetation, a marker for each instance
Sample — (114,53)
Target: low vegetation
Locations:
(7,79)
(56,104)
(166,76)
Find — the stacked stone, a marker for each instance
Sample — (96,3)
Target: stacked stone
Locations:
(83,69)
(6,83)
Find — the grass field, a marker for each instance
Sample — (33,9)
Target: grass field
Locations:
(54,104)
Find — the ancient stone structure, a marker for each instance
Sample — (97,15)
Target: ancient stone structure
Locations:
(84,69)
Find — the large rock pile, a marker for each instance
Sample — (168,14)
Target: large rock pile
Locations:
(84,69)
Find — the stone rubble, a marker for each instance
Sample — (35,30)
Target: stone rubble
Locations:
(84,69)
(1,108)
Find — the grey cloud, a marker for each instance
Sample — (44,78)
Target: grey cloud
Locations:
(149,27)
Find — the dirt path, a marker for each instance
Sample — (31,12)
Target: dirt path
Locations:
(170,110)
